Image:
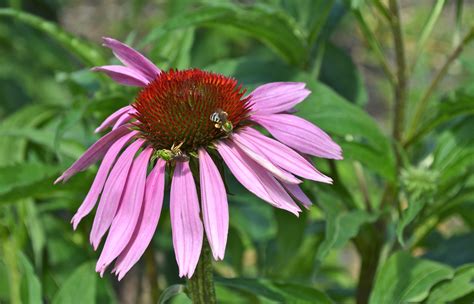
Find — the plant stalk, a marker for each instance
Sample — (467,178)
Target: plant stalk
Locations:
(369,245)
(201,284)
(152,273)
(370,241)
(401,85)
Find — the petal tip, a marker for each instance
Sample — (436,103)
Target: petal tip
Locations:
(58,180)
(106,41)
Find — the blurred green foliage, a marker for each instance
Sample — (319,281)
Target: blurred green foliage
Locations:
(395,227)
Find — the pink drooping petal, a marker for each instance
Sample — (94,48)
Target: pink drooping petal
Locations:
(186,224)
(255,178)
(126,219)
(123,120)
(297,193)
(215,211)
(147,223)
(100,177)
(132,58)
(277,97)
(123,75)
(283,156)
(254,152)
(109,121)
(113,190)
(300,134)
(94,153)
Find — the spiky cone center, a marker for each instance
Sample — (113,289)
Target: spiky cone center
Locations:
(177,109)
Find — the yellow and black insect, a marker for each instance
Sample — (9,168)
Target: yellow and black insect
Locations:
(219,117)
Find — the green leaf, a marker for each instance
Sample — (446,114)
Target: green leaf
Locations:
(341,226)
(458,103)
(170,292)
(32,221)
(252,216)
(243,69)
(405,279)
(31,285)
(279,292)
(408,215)
(46,138)
(280,251)
(16,177)
(12,149)
(460,285)
(454,153)
(360,135)
(174,49)
(18,275)
(267,24)
(89,54)
(340,73)
(79,287)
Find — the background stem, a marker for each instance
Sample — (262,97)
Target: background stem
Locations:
(371,239)
(422,105)
(201,284)
(401,85)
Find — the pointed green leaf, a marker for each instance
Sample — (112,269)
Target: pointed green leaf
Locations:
(405,279)
(280,292)
(461,284)
(12,149)
(16,177)
(170,292)
(31,285)
(341,226)
(408,215)
(79,287)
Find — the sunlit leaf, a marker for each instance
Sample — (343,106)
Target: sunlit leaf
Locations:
(267,24)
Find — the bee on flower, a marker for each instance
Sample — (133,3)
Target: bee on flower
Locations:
(221,121)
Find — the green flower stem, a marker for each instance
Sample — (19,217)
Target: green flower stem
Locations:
(201,284)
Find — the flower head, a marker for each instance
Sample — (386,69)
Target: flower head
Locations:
(177,118)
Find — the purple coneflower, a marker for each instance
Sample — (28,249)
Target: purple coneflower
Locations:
(189,117)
